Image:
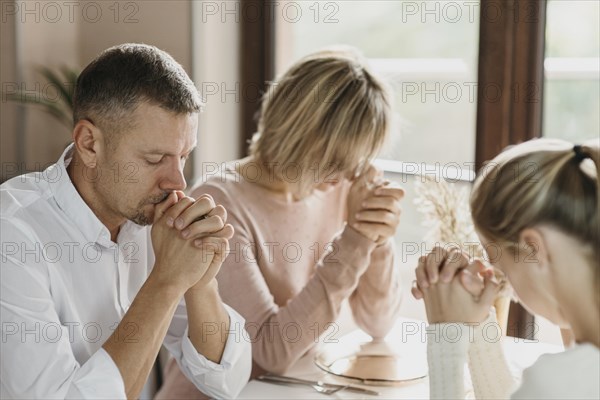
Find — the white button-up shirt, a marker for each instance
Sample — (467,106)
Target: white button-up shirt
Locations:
(65,287)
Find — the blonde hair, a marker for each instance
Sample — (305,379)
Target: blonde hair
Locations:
(541,182)
(327,113)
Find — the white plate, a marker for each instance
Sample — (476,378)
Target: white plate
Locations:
(378,363)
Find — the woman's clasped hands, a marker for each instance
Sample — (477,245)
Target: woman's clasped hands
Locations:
(374,206)
(454,288)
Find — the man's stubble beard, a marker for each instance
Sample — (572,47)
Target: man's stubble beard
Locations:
(139,217)
(139,214)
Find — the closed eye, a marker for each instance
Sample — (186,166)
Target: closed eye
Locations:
(152,162)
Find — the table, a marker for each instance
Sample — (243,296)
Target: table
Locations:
(520,354)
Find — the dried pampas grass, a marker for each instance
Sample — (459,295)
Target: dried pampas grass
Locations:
(445,209)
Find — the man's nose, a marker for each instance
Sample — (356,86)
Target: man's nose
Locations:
(174,178)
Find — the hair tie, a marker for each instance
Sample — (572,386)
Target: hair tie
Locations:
(579,154)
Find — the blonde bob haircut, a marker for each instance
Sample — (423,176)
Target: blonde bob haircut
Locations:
(542,182)
(326,114)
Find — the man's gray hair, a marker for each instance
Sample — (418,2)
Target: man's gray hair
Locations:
(112,86)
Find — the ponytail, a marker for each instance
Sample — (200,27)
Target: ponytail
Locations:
(542,181)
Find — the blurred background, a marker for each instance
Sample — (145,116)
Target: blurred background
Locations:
(469,78)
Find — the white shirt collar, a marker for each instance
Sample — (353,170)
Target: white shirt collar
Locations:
(72,204)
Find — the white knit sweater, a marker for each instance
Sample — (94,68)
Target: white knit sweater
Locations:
(572,374)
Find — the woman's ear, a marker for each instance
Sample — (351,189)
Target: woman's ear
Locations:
(533,248)
(87,139)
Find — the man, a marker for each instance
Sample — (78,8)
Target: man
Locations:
(89,290)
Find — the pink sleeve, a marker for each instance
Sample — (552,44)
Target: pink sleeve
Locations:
(376,301)
(281,335)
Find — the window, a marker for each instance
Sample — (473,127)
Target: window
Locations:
(572,70)
(426,50)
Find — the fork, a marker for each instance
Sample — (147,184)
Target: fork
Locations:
(291,380)
(318,386)
(328,391)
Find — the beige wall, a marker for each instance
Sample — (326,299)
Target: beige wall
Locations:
(47,43)
(216,67)
(8,111)
(79,33)
(165,24)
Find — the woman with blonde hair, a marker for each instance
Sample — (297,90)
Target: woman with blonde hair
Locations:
(313,220)
(536,209)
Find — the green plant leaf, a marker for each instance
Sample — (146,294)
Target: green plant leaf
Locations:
(50,107)
(64,79)
(62,86)
(70,75)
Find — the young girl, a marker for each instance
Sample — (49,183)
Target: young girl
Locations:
(313,220)
(536,209)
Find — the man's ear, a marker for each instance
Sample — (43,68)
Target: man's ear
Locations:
(88,140)
(534,248)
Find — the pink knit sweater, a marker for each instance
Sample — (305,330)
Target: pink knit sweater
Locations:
(292,264)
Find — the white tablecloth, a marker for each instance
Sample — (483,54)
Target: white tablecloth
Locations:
(520,354)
